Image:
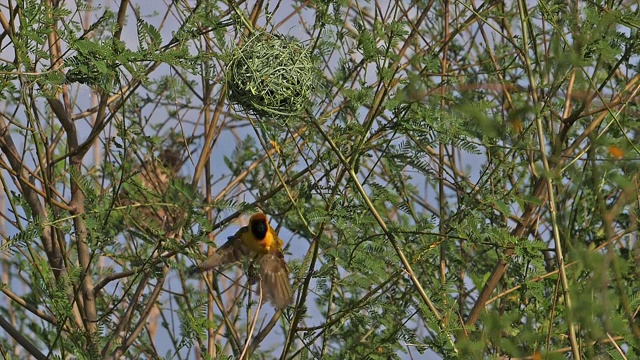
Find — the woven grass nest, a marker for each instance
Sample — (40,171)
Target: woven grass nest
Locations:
(270,75)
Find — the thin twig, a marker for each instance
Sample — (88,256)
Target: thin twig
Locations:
(253,322)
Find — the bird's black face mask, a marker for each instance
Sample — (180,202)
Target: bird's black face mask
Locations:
(259,229)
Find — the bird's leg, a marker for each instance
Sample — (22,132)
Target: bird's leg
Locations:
(252,274)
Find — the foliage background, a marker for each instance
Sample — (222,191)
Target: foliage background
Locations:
(463,184)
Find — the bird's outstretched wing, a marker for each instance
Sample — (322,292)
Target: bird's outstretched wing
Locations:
(274,279)
(232,251)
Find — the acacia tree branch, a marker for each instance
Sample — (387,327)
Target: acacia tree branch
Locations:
(124,321)
(29,174)
(390,235)
(142,321)
(107,279)
(539,192)
(78,208)
(522,228)
(21,339)
(31,308)
(51,247)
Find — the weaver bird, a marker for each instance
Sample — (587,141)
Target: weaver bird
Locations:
(260,243)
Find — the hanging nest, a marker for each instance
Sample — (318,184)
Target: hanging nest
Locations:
(270,75)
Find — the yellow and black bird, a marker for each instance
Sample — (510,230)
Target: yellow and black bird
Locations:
(260,243)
